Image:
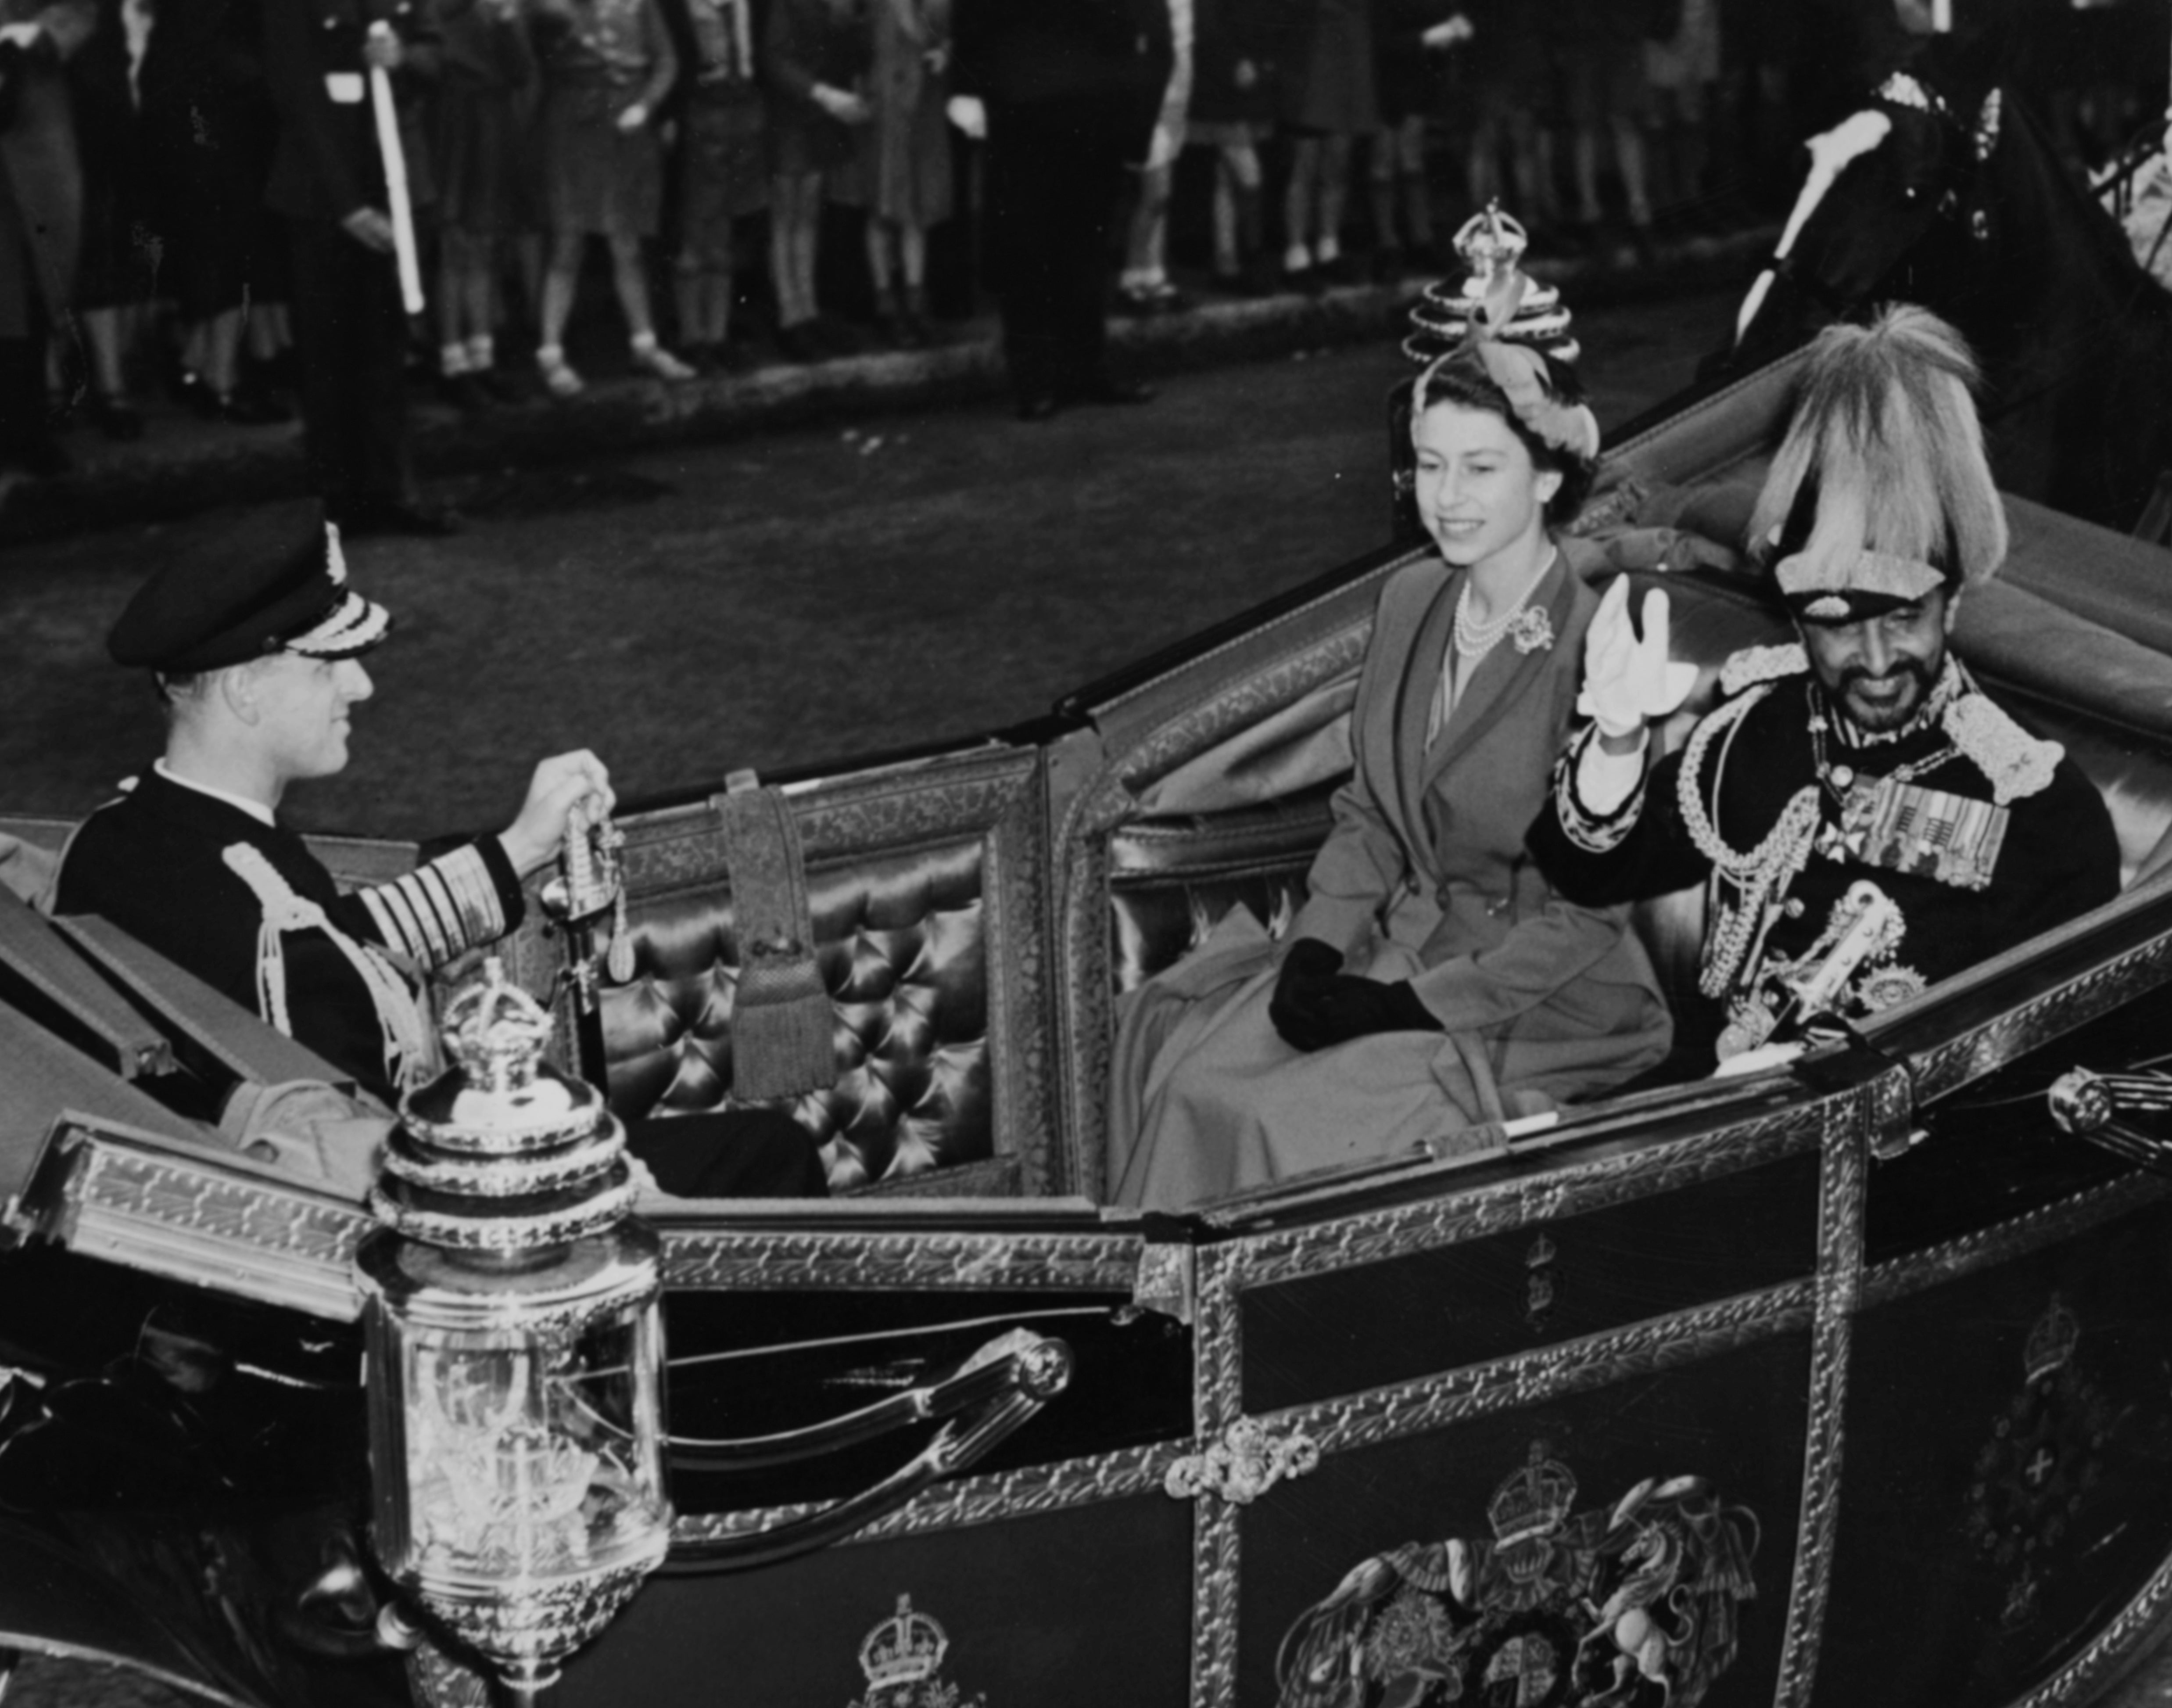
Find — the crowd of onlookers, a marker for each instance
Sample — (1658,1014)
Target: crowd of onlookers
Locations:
(712,144)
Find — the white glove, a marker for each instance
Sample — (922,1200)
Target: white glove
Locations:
(970,116)
(1449,32)
(1628,681)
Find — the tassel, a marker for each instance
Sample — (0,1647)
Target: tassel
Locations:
(618,960)
(783,1020)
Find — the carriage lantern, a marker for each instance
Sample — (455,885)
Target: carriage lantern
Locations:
(515,1347)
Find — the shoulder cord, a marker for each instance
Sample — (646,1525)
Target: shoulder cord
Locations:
(1756,876)
(408,1057)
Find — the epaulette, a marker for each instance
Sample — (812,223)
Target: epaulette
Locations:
(2017,763)
(1762,664)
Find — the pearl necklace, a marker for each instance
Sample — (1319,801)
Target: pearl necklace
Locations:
(1476,639)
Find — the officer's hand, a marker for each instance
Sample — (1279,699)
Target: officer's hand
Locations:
(23,35)
(1627,680)
(970,115)
(381,48)
(633,118)
(369,229)
(560,783)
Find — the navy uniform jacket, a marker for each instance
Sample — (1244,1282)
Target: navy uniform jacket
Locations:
(2050,849)
(327,164)
(155,863)
(1102,64)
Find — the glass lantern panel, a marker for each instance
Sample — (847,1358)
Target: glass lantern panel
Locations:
(536,1461)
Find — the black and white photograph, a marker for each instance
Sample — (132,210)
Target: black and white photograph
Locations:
(1215,854)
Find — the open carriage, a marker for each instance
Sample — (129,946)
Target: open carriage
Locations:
(1849,1380)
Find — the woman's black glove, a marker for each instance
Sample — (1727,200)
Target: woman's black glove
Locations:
(1349,1007)
(1308,967)
(1316,1004)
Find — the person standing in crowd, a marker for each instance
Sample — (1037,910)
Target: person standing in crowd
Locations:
(328,178)
(1500,80)
(124,246)
(1144,287)
(210,131)
(1233,106)
(1682,71)
(723,172)
(905,157)
(486,188)
(1601,44)
(41,214)
(1066,92)
(1330,96)
(1408,77)
(607,66)
(817,57)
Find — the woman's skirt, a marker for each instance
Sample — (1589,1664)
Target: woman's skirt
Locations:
(599,180)
(1208,1099)
(489,175)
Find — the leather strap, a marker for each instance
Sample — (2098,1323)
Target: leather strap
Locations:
(783,1020)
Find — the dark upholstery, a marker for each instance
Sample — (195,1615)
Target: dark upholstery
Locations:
(900,948)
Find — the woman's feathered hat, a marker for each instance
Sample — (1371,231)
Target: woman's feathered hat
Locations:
(1513,324)
(1881,492)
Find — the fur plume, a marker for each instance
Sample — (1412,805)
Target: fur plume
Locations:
(1886,435)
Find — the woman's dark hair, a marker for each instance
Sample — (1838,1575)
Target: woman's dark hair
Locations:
(1460,378)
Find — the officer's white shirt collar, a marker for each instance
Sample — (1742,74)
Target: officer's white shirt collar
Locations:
(256,809)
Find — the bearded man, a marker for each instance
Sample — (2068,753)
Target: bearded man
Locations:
(1866,820)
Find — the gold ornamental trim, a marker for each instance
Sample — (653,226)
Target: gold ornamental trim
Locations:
(1983,1050)
(1249,1459)
(1031,1491)
(1988,1248)
(1843,1190)
(727,1261)
(1570,1189)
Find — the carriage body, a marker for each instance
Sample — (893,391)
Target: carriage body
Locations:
(1852,1379)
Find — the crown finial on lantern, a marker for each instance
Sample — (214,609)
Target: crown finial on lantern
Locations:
(496,1031)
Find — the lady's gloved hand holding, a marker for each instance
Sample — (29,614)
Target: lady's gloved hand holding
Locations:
(1316,1004)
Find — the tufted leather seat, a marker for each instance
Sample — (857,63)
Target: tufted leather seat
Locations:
(901,952)
(925,895)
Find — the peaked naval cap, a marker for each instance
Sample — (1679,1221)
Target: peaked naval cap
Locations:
(241,596)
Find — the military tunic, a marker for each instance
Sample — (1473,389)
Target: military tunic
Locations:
(160,863)
(1977,833)
(200,881)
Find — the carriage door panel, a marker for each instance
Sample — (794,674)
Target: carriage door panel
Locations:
(1540,1439)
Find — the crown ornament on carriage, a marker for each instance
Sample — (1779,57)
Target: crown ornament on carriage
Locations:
(1528,1510)
(907,1649)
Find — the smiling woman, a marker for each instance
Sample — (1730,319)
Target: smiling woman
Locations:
(1432,987)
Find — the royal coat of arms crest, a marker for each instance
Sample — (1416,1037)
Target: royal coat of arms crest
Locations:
(1557,1608)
